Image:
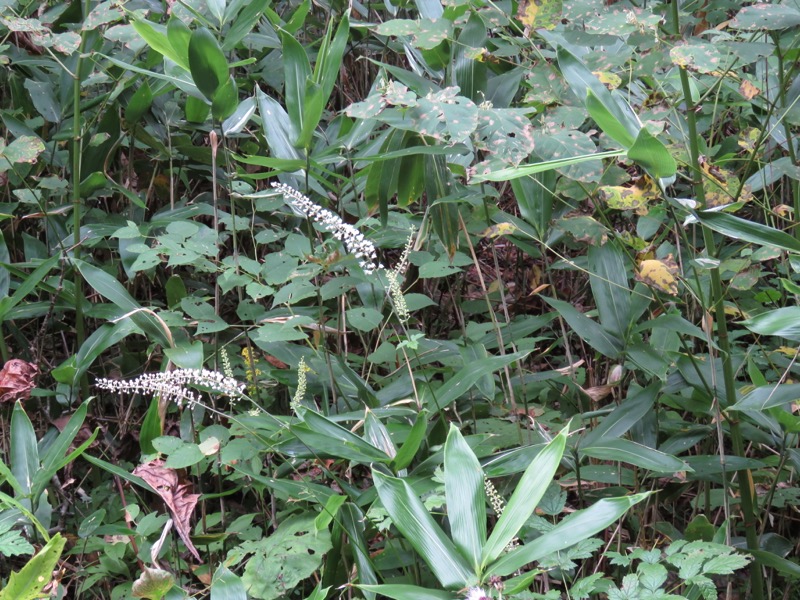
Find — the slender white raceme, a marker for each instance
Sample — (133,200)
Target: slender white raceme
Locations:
(173,386)
(354,241)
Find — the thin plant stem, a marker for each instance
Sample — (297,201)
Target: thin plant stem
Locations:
(746,487)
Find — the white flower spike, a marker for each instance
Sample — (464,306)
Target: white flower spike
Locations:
(354,241)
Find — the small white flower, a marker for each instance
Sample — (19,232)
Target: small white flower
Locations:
(354,241)
(476,593)
(172,385)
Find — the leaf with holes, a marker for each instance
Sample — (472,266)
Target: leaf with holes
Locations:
(702,57)
(570,143)
(284,559)
(766,16)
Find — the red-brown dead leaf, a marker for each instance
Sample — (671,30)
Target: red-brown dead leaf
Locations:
(17,380)
(175,492)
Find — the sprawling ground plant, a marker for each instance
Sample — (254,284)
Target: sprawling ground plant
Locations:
(428,299)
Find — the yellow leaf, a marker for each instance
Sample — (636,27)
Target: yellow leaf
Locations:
(539,13)
(636,197)
(499,230)
(611,80)
(660,274)
(748,89)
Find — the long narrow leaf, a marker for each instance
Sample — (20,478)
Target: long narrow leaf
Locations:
(573,529)
(461,382)
(525,498)
(748,231)
(466,497)
(549,165)
(407,592)
(24,449)
(589,331)
(418,527)
(635,454)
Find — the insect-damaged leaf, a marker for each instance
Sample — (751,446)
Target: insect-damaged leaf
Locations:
(540,13)
(660,274)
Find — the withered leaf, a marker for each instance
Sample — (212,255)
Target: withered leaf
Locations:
(175,492)
(17,380)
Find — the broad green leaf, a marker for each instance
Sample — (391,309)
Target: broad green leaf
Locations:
(766,16)
(217,8)
(151,427)
(243,23)
(152,584)
(749,231)
(619,120)
(588,330)
(207,63)
(226,99)
(296,73)
(409,449)
(24,149)
(280,561)
(227,585)
(378,435)
(535,197)
(466,497)
(119,472)
(112,290)
(398,591)
(630,411)
(91,523)
(102,339)
(781,322)
(331,53)
(622,450)
(652,155)
(51,460)
(29,283)
(411,517)
(575,528)
(525,498)
(179,36)
(769,396)
(444,216)
(606,121)
(460,383)
(610,288)
(278,128)
(323,434)
(157,38)
(785,567)
(24,451)
(28,582)
(288,489)
(353,522)
(139,103)
(196,110)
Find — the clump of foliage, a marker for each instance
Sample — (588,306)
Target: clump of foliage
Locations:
(426,300)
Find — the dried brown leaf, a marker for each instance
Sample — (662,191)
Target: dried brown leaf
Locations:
(17,379)
(175,492)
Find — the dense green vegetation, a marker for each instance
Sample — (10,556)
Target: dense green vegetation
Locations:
(423,300)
